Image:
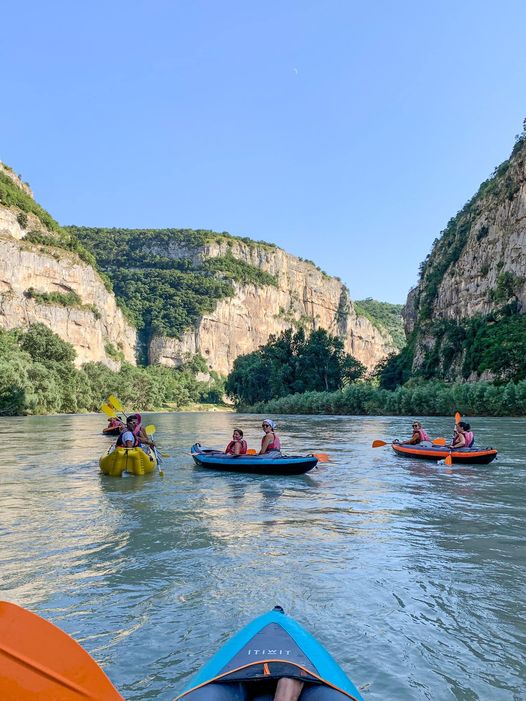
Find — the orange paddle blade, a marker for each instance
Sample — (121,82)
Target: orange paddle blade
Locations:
(39,662)
(449,460)
(458,417)
(378,444)
(439,441)
(322,457)
(251,451)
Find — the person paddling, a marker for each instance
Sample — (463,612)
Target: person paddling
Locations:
(419,437)
(237,445)
(270,440)
(134,435)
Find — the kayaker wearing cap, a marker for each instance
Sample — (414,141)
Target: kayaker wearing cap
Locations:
(134,434)
(270,440)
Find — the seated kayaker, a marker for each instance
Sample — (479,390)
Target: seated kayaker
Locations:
(463,437)
(270,440)
(469,436)
(237,445)
(116,422)
(419,437)
(134,435)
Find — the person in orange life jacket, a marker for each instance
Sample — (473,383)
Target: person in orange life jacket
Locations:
(419,437)
(237,445)
(270,440)
(134,434)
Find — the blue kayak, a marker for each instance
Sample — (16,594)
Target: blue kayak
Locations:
(271,464)
(272,646)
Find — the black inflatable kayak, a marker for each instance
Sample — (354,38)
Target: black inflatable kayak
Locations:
(272,646)
(467,456)
(272,464)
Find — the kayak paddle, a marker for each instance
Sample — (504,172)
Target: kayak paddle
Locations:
(115,403)
(39,662)
(150,430)
(436,441)
(449,460)
(322,457)
(107,409)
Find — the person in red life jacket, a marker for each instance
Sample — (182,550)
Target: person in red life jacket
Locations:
(237,445)
(270,440)
(463,437)
(469,436)
(115,422)
(419,437)
(134,435)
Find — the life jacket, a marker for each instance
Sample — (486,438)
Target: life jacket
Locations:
(423,435)
(469,437)
(275,445)
(230,447)
(120,442)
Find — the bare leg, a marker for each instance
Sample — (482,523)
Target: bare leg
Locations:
(288,689)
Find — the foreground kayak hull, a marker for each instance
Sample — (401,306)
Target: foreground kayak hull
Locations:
(467,456)
(270,647)
(132,460)
(253,464)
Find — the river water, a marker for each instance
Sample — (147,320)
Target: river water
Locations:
(413,575)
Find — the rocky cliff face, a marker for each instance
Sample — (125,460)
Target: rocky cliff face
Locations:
(94,325)
(239,324)
(477,268)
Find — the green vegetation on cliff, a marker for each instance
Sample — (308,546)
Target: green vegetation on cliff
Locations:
(386,317)
(160,278)
(37,376)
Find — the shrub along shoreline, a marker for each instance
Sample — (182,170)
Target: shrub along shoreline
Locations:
(426,399)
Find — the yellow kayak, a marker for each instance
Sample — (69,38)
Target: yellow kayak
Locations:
(133,460)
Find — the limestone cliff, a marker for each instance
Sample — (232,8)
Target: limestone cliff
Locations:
(474,280)
(40,281)
(262,291)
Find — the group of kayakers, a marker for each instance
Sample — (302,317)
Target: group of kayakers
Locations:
(463,436)
(269,443)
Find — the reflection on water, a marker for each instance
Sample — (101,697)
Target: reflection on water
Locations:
(411,573)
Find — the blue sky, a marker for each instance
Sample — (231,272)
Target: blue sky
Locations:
(346,132)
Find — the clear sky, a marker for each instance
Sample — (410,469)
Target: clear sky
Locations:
(346,132)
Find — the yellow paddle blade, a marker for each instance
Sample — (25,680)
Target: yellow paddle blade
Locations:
(439,441)
(112,399)
(150,429)
(458,417)
(449,460)
(39,662)
(322,457)
(251,451)
(378,444)
(108,411)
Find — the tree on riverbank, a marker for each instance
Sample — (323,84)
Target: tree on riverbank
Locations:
(292,362)
(38,376)
(427,399)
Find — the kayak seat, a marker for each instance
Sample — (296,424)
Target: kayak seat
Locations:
(259,691)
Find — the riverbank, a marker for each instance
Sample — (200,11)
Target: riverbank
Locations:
(429,399)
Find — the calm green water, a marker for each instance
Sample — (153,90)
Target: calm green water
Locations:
(413,575)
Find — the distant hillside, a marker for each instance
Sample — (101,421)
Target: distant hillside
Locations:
(386,317)
(220,296)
